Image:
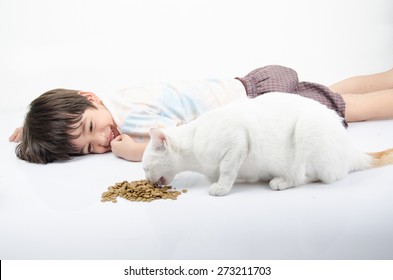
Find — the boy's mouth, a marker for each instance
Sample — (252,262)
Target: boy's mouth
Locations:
(111,136)
(113,133)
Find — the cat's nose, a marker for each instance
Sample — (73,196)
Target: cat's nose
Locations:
(162,181)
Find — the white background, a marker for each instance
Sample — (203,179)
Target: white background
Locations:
(105,45)
(54,211)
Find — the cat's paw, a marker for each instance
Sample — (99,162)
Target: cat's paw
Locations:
(278,184)
(218,190)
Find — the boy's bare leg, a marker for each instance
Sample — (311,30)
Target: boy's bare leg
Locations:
(367,97)
(369,106)
(365,84)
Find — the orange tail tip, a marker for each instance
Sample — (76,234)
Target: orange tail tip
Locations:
(381,158)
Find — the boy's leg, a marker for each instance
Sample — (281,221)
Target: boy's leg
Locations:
(365,83)
(323,95)
(369,106)
(271,78)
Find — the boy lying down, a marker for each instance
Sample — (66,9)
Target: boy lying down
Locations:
(63,123)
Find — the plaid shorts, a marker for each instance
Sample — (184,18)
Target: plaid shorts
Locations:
(282,79)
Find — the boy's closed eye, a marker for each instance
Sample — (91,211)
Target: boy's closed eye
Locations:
(89,145)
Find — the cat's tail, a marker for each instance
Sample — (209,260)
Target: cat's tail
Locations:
(381,158)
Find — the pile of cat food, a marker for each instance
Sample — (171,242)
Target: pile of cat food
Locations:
(142,190)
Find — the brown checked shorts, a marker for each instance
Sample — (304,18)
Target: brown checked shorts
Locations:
(275,78)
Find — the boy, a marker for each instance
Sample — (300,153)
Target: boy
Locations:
(64,123)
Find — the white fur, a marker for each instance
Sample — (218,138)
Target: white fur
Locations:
(283,138)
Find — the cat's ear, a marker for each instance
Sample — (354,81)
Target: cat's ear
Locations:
(158,138)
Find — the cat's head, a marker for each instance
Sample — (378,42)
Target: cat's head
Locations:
(159,158)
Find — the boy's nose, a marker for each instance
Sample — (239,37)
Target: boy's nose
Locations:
(100,144)
(101,139)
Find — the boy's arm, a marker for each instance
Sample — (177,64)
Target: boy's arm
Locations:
(125,147)
(16,136)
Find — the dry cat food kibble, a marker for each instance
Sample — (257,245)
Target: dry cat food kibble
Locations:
(141,190)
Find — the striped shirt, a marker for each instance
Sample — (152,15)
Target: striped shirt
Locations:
(137,109)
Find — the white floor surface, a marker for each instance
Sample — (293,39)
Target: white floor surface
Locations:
(54,211)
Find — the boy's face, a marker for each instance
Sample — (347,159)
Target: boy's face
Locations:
(96,131)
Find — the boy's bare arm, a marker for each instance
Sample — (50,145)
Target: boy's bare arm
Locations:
(125,147)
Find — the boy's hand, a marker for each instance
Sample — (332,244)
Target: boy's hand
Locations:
(16,136)
(125,147)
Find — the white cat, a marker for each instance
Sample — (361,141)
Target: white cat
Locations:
(284,138)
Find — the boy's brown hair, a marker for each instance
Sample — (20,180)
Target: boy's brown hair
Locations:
(48,125)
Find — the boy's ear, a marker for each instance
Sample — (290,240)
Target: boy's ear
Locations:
(90,96)
(158,138)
